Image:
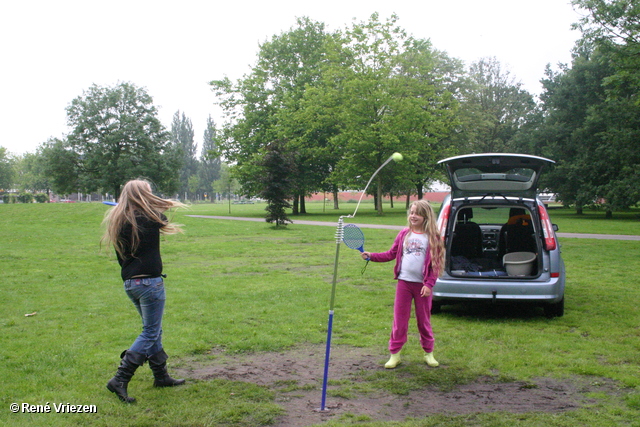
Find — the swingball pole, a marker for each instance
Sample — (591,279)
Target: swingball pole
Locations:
(339,237)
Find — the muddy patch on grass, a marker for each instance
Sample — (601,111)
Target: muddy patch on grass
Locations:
(296,376)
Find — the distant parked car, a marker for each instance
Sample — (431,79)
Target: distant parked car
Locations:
(501,244)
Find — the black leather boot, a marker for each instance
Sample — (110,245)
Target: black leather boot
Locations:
(128,365)
(158,365)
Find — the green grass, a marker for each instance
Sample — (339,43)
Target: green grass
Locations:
(247,287)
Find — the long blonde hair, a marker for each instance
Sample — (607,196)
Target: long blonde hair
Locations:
(137,199)
(429,227)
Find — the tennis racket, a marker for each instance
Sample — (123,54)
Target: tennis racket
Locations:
(353,237)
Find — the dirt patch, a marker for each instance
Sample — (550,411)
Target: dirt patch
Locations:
(303,368)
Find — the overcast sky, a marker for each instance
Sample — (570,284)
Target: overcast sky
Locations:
(53,50)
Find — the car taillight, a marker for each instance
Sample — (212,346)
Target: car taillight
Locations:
(547,228)
(443,219)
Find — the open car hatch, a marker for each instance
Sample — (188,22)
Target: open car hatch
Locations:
(506,175)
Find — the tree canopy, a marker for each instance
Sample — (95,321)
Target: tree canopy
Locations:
(340,104)
(592,113)
(6,169)
(116,136)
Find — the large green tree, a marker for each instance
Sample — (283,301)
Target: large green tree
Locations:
(612,29)
(495,108)
(386,93)
(210,163)
(30,174)
(116,136)
(182,136)
(592,114)
(277,172)
(6,170)
(569,97)
(60,165)
(258,108)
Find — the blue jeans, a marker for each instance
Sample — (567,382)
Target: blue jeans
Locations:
(149,297)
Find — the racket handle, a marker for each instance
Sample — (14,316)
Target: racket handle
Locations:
(362,251)
(365,267)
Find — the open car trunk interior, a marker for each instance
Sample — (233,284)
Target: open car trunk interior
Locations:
(494,241)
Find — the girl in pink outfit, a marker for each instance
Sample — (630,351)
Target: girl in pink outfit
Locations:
(419,254)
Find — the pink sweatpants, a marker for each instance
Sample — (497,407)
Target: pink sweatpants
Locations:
(405,293)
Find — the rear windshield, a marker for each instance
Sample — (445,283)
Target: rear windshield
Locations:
(473,174)
(494,215)
(513,179)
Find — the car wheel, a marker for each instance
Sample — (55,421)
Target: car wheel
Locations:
(554,310)
(436,307)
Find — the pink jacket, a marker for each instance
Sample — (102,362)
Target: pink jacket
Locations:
(429,275)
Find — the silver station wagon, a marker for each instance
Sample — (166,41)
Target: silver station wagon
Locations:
(501,244)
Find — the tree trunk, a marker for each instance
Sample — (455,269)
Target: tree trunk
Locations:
(335,198)
(419,191)
(303,205)
(294,207)
(379,197)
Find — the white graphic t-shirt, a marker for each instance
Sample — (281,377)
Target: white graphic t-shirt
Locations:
(413,257)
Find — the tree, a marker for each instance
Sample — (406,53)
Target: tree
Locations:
(494,108)
(277,175)
(116,136)
(567,99)
(182,138)
(385,92)
(30,173)
(60,166)
(611,29)
(591,112)
(259,108)
(614,21)
(226,185)
(6,170)
(210,163)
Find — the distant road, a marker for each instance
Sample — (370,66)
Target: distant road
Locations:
(400,227)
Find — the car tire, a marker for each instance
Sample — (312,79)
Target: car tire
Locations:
(436,307)
(554,310)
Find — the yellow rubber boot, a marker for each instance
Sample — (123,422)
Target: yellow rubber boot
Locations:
(394,361)
(431,361)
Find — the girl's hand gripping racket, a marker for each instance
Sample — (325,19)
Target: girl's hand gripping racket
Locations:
(354,238)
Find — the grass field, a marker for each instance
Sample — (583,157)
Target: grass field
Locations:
(244,287)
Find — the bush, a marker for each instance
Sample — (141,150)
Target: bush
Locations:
(8,198)
(25,198)
(41,198)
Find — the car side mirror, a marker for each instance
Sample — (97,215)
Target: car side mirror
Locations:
(555,227)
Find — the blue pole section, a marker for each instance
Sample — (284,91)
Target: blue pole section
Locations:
(339,236)
(326,363)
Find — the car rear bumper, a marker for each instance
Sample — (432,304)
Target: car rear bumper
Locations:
(450,288)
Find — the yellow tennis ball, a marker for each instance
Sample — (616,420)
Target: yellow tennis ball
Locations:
(396,156)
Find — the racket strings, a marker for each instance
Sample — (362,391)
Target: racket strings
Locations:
(353,237)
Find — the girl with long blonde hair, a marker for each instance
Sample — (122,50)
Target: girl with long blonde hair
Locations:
(133,228)
(419,254)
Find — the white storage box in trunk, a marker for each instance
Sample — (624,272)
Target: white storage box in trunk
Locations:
(519,263)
